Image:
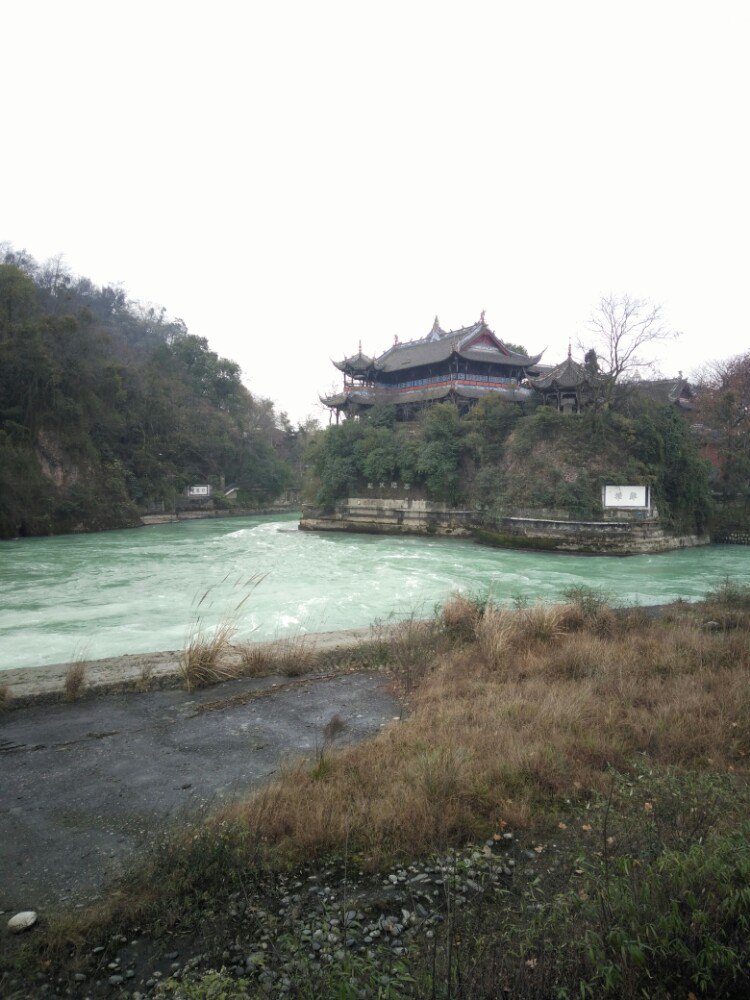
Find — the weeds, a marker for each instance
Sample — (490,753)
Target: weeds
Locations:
(414,645)
(460,615)
(5,696)
(208,656)
(204,659)
(146,677)
(730,595)
(589,600)
(650,902)
(290,657)
(75,681)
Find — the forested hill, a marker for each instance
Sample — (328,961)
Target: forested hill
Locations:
(107,407)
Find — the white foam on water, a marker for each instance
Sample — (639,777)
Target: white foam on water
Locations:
(136,591)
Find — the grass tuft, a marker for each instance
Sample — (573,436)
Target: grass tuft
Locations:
(75,681)
(460,616)
(290,657)
(204,659)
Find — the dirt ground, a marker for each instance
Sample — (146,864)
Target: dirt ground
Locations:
(85,786)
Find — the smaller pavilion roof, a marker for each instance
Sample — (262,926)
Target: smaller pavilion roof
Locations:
(567,375)
(358,362)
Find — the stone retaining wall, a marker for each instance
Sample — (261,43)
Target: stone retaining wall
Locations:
(390,517)
(421,517)
(739,536)
(606,537)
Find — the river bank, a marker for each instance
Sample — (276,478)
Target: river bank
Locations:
(148,520)
(623,534)
(25,686)
(543,753)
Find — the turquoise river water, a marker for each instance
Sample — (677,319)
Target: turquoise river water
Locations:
(89,596)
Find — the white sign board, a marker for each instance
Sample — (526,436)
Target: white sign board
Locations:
(628,497)
(198,491)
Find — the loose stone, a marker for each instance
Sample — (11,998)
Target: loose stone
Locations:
(22,921)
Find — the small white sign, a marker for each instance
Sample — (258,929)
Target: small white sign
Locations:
(198,491)
(633,497)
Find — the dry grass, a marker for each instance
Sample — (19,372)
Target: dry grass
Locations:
(205,659)
(460,616)
(75,681)
(290,657)
(537,709)
(146,677)
(5,696)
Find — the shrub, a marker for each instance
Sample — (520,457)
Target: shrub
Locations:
(730,594)
(460,615)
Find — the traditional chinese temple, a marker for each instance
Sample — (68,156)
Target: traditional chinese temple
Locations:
(458,365)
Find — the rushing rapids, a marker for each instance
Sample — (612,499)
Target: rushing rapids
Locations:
(90,596)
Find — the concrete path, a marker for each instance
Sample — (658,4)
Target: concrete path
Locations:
(85,786)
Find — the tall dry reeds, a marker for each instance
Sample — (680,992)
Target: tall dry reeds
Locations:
(208,657)
(204,659)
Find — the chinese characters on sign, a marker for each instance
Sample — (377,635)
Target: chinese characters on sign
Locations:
(630,497)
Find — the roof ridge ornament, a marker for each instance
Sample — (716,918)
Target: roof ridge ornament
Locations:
(481,316)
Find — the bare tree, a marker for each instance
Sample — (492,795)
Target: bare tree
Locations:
(622,327)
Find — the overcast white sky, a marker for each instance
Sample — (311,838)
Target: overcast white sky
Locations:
(290,178)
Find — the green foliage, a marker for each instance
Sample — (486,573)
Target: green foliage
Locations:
(105,405)
(724,408)
(346,457)
(493,419)
(681,922)
(504,461)
(668,451)
(438,461)
(333,456)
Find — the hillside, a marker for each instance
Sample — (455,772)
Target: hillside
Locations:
(503,460)
(108,406)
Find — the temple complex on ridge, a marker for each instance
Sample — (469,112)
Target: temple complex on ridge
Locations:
(458,365)
(463,366)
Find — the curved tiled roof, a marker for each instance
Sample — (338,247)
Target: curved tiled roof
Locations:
(356,363)
(438,346)
(568,375)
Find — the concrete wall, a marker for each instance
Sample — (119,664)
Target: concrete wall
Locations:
(421,517)
(611,537)
(390,516)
